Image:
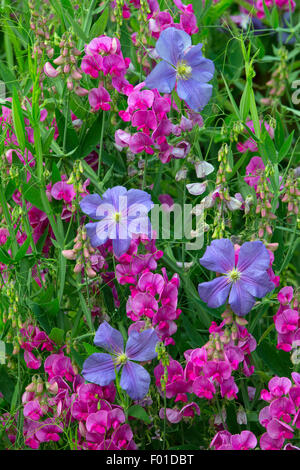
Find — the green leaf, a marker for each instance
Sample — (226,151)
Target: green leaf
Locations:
(86,312)
(137,411)
(285,147)
(4,257)
(71,135)
(270,148)
(66,4)
(7,384)
(98,28)
(23,250)
(9,78)
(274,18)
(77,29)
(279,131)
(254,114)
(277,361)
(78,358)
(90,349)
(245,101)
(57,335)
(32,194)
(18,120)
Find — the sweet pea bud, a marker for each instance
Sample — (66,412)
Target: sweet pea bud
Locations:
(78,268)
(70,84)
(40,385)
(31,387)
(241,416)
(52,388)
(241,321)
(69,254)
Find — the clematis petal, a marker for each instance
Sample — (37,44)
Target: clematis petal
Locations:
(139,202)
(194,93)
(135,380)
(141,346)
(219,256)
(99,369)
(98,232)
(108,338)
(171,45)
(162,77)
(256,283)
(253,255)
(121,246)
(240,300)
(89,205)
(215,292)
(115,196)
(202,69)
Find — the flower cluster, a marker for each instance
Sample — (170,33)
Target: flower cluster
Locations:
(209,369)
(287,321)
(281,416)
(33,339)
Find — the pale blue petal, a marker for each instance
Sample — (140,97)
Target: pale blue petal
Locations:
(162,77)
(202,68)
(141,346)
(215,292)
(121,246)
(108,338)
(135,380)
(194,93)
(89,205)
(256,283)
(253,255)
(99,369)
(171,45)
(219,256)
(240,300)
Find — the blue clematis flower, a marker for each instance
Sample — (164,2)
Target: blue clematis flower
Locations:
(100,368)
(242,281)
(120,214)
(183,64)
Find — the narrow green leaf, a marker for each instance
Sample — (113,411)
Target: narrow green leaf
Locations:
(98,28)
(137,411)
(18,120)
(285,147)
(57,335)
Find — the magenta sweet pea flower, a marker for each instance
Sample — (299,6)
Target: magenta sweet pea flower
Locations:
(242,281)
(120,214)
(101,368)
(184,65)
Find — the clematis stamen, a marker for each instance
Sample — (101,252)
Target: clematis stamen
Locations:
(183,70)
(117,217)
(121,359)
(234,275)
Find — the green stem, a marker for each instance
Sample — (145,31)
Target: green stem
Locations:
(101,145)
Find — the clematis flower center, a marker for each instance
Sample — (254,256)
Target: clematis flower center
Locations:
(234,275)
(183,70)
(117,216)
(121,359)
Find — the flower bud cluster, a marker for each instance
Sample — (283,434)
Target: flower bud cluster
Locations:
(67,64)
(278,79)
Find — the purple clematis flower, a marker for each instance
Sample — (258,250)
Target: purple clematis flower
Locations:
(243,280)
(100,368)
(120,214)
(184,64)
